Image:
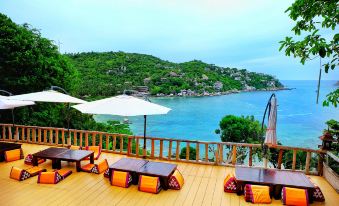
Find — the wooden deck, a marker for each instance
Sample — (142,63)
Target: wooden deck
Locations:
(203,186)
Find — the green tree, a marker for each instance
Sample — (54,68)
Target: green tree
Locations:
(192,154)
(240,129)
(312,18)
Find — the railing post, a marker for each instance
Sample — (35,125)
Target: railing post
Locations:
(307,166)
(170,150)
(114,142)
(75,138)
(100,140)
(10,137)
(39,135)
(234,154)
(294,161)
(187,151)
(121,143)
(45,135)
(129,148)
(177,151)
(221,153)
(34,135)
(16,136)
(280,158)
(86,139)
(94,138)
(320,164)
(161,149)
(137,146)
(206,152)
(197,150)
(152,148)
(50,136)
(57,136)
(250,157)
(80,141)
(107,142)
(3,133)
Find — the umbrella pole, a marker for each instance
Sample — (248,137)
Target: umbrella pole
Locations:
(144,150)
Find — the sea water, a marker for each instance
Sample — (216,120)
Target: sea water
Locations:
(300,120)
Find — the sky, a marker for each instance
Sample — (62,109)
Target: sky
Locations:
(235,33)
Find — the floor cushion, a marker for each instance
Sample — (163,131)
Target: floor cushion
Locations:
(96,168)
(22,174)
(29,160)
(13,155)
(317,194)
(121,179)
(64,172)
(258,194)
(294,196)
(149,184)
(106,173)
(49,177)
(230,184)
(176,181)
(96,150)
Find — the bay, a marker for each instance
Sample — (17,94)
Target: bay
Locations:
(300,120)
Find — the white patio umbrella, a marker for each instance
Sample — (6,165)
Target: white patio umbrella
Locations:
(6,103)
(48,96)
(271,133)
(123,105)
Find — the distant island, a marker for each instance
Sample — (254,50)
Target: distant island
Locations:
(110,73)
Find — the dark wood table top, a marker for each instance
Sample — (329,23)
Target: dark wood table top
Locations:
(128,164)
(75,155)
(5,146)
(157,169)
(51,152)
(273,177)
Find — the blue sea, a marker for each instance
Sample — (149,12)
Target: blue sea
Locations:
(300,120)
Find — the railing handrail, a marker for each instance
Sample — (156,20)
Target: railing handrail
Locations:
(219,153)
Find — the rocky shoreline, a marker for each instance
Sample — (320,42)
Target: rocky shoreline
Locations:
(208,94)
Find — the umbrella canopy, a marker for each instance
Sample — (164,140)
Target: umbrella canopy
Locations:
(122,105)
(271,133)
(7,103)
(48,96)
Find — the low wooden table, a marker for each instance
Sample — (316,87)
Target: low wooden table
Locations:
(159,169)
(274,178)
(62,154)
(128,165)
(5,146)
(144,167)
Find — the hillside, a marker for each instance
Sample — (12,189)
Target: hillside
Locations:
(110,73)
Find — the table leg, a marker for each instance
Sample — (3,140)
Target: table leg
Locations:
(277,192)
(135,178)
(240,186)
(78,166)
(35,161)
(92,158)
(164,183)
(310,195)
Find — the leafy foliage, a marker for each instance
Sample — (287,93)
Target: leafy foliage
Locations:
(314,17)
(192,154)
(110,73)
(240,129)
(30,63)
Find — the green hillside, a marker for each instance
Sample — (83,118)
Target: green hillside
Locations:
(110,73)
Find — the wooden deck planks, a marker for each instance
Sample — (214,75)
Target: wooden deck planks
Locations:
(203,186)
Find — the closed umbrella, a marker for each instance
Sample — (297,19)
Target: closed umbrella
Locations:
(271,132)
(123,105)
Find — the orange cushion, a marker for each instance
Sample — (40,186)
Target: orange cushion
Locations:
(121,179)
(49,177)
(13,155)
(149,184)
(176,181)
(102,166)
(96,150)
(88,167)
(257,194)
(64,172)
(230,183)
(35,170)
(17,174)
(294,196)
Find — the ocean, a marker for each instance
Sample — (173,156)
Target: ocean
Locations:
(300,120)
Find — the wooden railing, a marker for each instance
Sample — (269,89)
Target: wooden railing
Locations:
(200,152)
